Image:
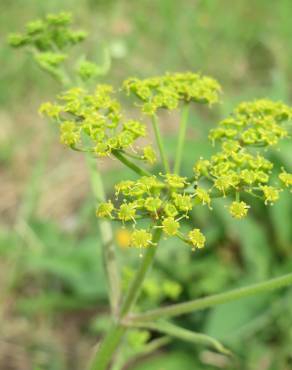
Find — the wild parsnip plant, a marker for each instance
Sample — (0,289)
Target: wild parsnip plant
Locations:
(158,202)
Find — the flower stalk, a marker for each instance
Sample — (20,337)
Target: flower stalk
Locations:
(181,138)
(140,171)
(136,284)
(160,144)
(213,300)
(110,343)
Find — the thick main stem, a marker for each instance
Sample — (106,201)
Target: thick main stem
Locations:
(160,143)
(202,303)
(181,139)
(110,343)
(108,346)
(109,258)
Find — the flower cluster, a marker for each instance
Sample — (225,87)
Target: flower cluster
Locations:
(49,40)
(286,179)
(255,123)
(94,122)
(162,200)
(239,166)
(87,70)
(52,31)
(169,90)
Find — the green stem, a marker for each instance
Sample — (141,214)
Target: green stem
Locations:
(133,156)
(160,143)
(103,356)
(136,284)
(202,303)
(110,343)
(140,171)
(109,258)
(181,138)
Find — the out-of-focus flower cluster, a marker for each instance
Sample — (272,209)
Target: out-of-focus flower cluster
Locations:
(239,165)
(94,122)
(52,31)
(171,89)
(160,199)
(49,39)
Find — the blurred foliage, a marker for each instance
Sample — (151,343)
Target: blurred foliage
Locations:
(51,267)
(249,46)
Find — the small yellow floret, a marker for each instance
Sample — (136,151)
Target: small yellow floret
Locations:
(149,154)
(105,209)
(238,209)
(286,178)
(127,212)
(271,194)
(196,238)
(170,226)
(140,239)
(203,196)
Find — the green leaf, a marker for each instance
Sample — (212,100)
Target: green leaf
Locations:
(280,215)
(227,321)
(170,361)
(254,244)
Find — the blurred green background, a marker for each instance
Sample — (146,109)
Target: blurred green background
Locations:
(53,295)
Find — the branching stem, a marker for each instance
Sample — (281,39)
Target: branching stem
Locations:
(213,300)
(120,156)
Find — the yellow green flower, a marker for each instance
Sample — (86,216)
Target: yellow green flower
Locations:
(69,133)
(175,181)
(127,212)
(169,90)
(183,202)
(153,204)
(105,209)
(51,110)
(170,226)
(225,182)
(170,210)
(201,167)
(140,238)
(149,154)
(248,176)
(271,194)
(286,178)
(203,196)
(196,238)
(238,209)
